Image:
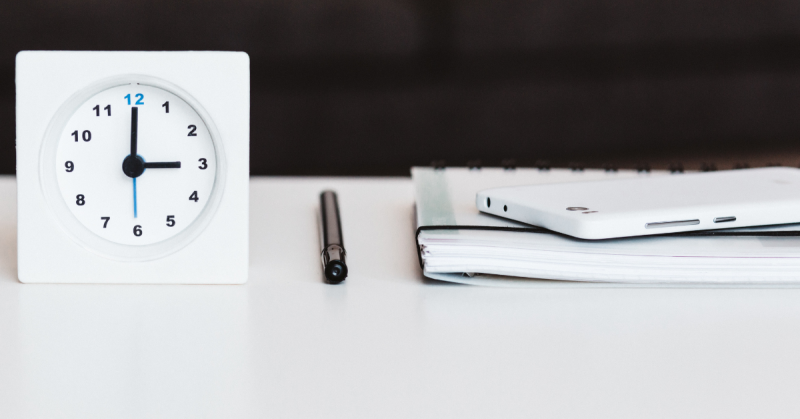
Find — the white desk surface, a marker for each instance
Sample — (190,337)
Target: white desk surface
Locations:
(386,343)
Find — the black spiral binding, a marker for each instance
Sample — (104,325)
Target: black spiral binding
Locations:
(438,164)
(708,167)
(510,164)
(676,167)
(576,166)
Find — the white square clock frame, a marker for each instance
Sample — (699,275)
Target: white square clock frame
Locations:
(133,167)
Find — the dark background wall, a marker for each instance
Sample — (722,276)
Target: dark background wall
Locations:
(371,87)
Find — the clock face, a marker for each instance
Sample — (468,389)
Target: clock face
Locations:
(136,164)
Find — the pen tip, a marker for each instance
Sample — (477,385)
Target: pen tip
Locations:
(335,272)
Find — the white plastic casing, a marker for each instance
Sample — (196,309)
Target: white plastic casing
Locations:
(50,251)
(653,204)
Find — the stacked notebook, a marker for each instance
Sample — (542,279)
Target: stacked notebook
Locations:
(457,243)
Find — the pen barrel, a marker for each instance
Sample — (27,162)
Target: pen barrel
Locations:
(331,226)
(333,254)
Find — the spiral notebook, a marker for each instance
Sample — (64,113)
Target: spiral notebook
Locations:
(457,243)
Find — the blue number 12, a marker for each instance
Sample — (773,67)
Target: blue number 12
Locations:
(139,99)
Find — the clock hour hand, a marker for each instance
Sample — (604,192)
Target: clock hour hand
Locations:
(163,165)
(134,166)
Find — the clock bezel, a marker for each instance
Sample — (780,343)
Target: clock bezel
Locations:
(70,223)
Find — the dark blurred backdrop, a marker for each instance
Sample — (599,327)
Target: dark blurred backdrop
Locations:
(371,87)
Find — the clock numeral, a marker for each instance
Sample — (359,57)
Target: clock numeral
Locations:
(166,106)
(137,230)
(106,221)
(97,110)
(203,164)
(192,129)
(86,135)
(69,165)
(170,221)
(80,200)
(139,98)
(193,196)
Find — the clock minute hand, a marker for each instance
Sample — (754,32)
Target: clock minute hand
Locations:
(163,165)
(134,129)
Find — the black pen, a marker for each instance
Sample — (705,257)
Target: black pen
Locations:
(332,244)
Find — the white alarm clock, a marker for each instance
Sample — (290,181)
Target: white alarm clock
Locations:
(132,167)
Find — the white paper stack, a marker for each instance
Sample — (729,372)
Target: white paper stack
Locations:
(454,252)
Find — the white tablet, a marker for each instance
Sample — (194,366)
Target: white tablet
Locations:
(653,204)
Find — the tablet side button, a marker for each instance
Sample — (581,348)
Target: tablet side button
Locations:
(724,219)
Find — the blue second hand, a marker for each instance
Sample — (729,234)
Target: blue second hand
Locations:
(135,215)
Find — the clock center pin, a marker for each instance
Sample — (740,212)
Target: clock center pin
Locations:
(133,166)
